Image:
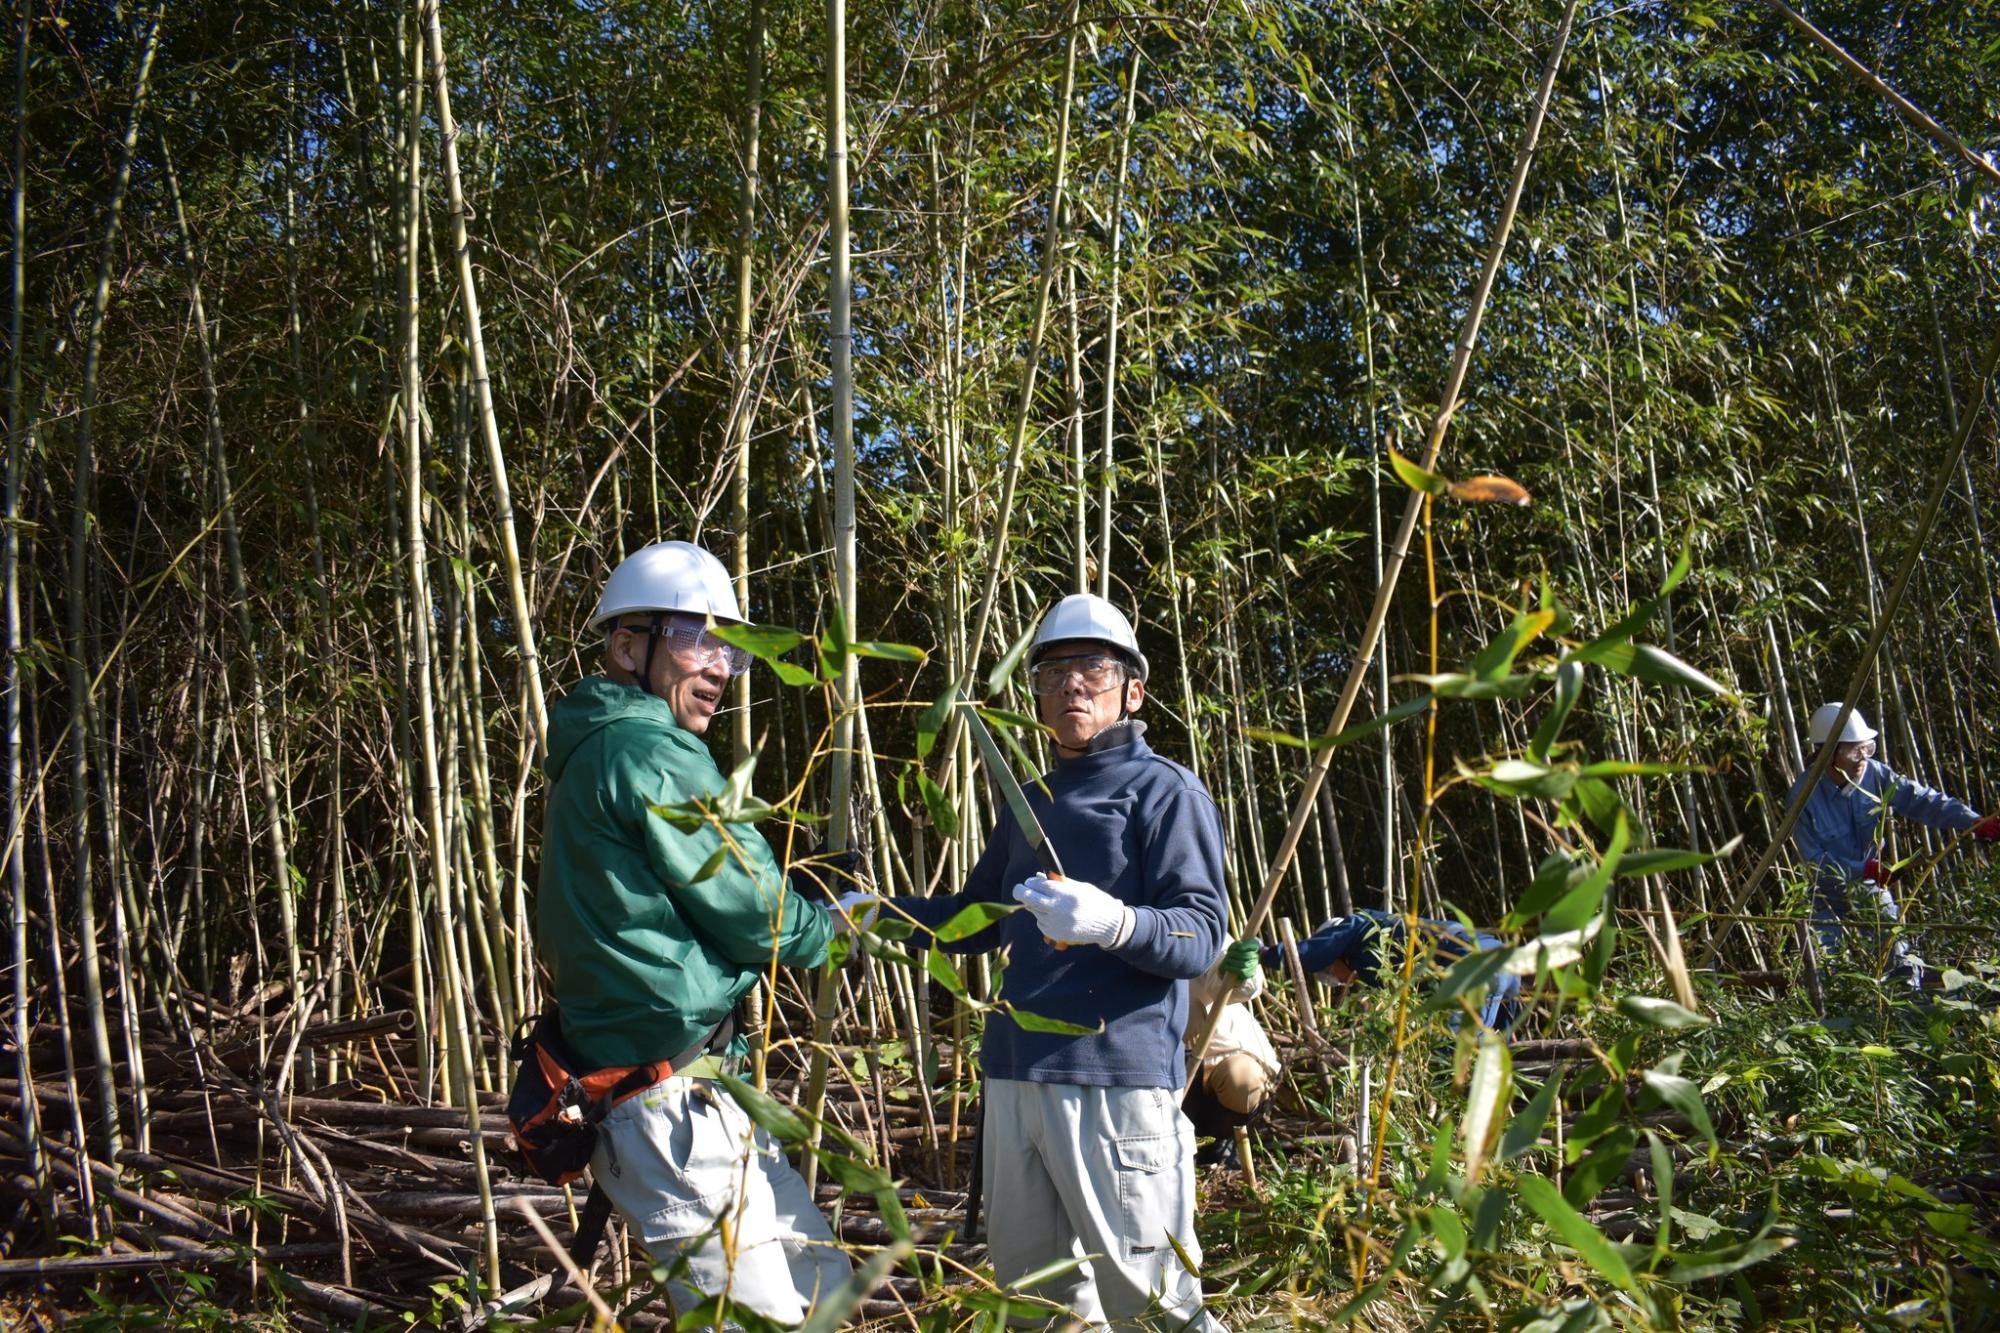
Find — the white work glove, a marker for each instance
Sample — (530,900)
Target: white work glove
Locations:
(856,911)
(1072,911)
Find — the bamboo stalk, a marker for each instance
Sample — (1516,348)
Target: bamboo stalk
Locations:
(232,545)
(847,692)
(1904,107)
(81,688)
(1468,338)
(1038,325)
(482,385)
(743,404)
(17,447)
(1108,479)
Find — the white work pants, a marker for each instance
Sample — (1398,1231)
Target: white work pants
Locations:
(681,1161)
(1106,1173)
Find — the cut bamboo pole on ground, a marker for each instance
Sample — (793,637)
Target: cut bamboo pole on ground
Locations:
(1461,361)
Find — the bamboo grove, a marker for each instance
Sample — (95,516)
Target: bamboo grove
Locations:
(351,344)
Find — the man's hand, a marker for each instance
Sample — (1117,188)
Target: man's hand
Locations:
(1071,911)
(1877,872)
(855,911)
(1987,829)
(1239,961)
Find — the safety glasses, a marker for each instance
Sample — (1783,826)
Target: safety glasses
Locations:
(694,645)
(1098,671)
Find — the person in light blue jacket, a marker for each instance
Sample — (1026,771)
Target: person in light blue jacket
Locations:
(1840,832)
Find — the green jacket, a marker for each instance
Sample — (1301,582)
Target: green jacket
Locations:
(645,956)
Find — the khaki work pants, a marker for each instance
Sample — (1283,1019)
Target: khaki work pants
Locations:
(679,1159)
(1102,1175)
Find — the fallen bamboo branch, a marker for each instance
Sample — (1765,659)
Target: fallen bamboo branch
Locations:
(55,1268)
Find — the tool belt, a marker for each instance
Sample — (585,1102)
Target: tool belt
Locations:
(557,1103)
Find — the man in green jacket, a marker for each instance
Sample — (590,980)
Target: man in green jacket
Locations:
(650,943)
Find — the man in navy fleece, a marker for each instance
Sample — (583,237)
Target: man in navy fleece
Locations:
(1841,830)
(1086,1153)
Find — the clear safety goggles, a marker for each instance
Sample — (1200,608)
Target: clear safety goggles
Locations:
(1097,671)
(1855,750)
(694,645)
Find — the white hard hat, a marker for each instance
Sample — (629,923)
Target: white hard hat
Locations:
(1083,615)
(1819,729)
(669,576)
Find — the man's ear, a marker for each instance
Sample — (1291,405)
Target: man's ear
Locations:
(1135,694)
(619,652)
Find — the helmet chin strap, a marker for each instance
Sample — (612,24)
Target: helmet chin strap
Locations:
(652,646)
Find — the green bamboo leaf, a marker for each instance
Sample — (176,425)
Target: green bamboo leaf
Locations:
(1658,1013)
(833,645)
(1523,778)
(1582,902)
(1525,1130)
(1663,1188)
(1003,670)
(1470,975)
(1648,663)
(889,652)
(1685,1097)
(1429,483)
(1449,1230)
(943,973)
(1589,1243)
(1487,1100)
(1548,952)
(944,815)
(1007,719)
(770,1114)
(1497,657)
(1460,685)
(708,868)
(931,721)
(1568,689)
(793,675)
(766,643)
(1040,1023)
(971,919)
(1662,860)
(1626,768)
(1603,1165)
(1599,800)
(1558,873)
(1705,1265)
(1407,708)
(1270,737)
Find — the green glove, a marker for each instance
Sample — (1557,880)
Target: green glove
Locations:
(1239,960)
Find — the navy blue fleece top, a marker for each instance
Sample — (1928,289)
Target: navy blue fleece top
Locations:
(1145,830)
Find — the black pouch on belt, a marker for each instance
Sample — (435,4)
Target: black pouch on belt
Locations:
(556,1103)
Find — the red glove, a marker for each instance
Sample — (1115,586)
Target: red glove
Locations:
(1987,829)
(1878,872)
